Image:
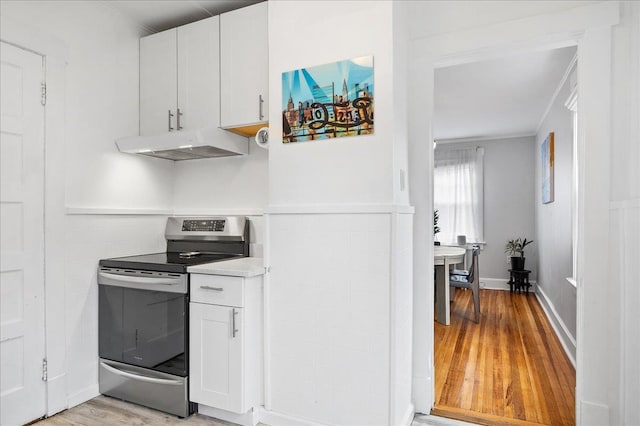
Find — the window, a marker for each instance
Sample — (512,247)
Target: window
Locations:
(458,193)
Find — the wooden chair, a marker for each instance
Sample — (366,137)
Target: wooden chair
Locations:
(469,279)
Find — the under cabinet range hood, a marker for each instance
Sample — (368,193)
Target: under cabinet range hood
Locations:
(179,145)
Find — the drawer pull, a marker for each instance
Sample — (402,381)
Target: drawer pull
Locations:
(206,287)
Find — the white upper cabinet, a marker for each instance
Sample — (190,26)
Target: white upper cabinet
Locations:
(199,73)
(179,75)
(244,60)
(158,82)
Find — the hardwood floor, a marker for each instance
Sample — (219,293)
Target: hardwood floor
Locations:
(508,369)
(103,410)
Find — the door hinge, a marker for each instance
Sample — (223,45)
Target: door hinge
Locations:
(43,99)
(44,370)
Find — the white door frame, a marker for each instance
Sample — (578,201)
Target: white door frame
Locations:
(56,55)
(590,28)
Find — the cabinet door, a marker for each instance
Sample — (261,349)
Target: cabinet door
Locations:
(158,82)
(244,65)
(216,357)
(199,73)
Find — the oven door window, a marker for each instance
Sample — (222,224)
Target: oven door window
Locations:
(144,328)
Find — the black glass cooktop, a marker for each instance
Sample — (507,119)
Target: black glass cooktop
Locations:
(165,262)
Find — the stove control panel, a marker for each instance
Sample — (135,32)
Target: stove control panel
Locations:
(207,228)
(210,225)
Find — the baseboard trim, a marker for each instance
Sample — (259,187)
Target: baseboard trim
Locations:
(247,419)
(567,341)
(407,419)
(434,420)
(494,284)
(501,284)
(272,418)
(83,395)
(593,414)
(56,394)
(422,389)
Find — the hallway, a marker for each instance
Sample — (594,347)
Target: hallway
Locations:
(508,369)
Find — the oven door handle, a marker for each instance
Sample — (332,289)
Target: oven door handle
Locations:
(140,377)
(164,284)
(122,280)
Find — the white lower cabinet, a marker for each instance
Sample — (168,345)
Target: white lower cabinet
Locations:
(225,342)
(216,353)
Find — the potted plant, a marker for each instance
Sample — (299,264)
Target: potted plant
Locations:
(436,228)
(515,247)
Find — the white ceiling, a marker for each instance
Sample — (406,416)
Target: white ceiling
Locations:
(497,98)
(157,16)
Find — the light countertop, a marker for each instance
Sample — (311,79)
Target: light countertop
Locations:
(242,267)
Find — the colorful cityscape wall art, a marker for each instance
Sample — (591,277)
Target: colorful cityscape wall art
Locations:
(328,101)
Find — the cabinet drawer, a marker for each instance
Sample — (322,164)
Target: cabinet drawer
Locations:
(217,290)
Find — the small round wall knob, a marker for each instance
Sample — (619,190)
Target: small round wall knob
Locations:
(262,138)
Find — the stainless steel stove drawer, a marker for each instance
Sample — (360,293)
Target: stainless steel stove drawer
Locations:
(217,290)
(164,392)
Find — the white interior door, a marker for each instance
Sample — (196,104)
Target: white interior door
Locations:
(22,348)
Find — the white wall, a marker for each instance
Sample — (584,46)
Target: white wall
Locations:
(94,100)
(101,101)
(401,38)
(329,322)
(624,232)
(401,319)
(223,184)
(347,170)
(554,221)
(508,202)
(604,388)
(340,284)
(434,18)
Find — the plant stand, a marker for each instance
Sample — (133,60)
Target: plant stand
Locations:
(519,280)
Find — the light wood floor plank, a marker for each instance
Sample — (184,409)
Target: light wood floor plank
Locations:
(510,367)
(104,410)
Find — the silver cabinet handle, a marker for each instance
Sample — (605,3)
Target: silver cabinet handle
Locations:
(139,377)
(206,287)
(179,127)
(261,101)
(170,115)
(234,330)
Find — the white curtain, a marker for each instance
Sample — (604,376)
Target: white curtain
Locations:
(458,193)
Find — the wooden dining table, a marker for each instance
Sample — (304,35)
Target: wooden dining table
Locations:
(444,257)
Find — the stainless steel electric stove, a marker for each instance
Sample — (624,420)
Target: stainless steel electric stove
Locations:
(144,311)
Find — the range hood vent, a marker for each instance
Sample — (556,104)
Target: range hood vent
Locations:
(180,145)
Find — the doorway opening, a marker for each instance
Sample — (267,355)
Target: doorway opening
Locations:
(509,365)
